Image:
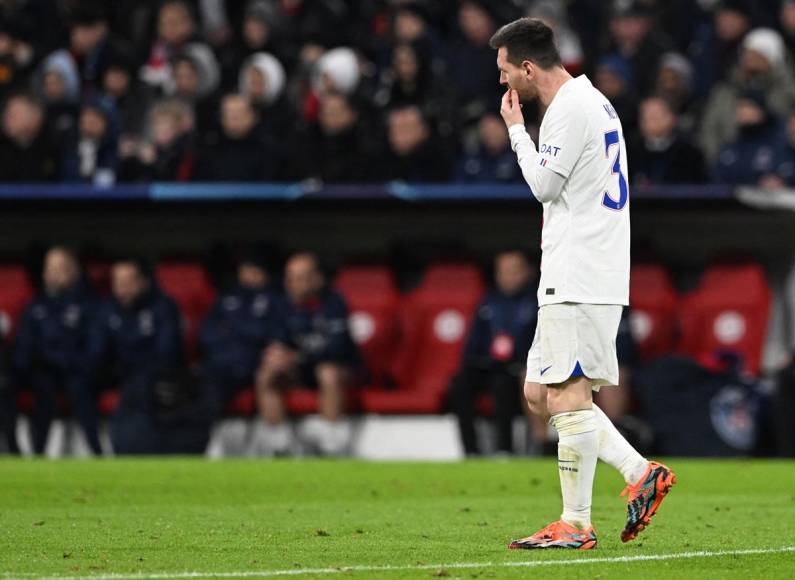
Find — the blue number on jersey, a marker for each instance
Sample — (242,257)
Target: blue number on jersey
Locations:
(611,138)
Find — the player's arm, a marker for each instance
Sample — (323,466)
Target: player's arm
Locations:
(544,183)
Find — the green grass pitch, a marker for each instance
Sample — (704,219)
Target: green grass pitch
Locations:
(322,519)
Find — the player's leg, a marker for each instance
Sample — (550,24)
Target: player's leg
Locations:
(535,407)
(331,435)
(506,406)
(332,382)
(647,482)
(270,401)
(570,407)
(271,435)
(569,404)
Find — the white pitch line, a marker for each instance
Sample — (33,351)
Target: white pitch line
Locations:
(392,568)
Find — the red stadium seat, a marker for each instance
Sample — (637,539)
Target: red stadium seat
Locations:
(305,401)
(373,301)
(728,312)
(434,323)
(109,401)
(15,293)
(188,285)
(653,302)
(244,404)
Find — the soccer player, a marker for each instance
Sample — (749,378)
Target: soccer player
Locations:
(579,175)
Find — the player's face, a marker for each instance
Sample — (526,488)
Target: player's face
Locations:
(512,273)
(60,271)
(518,78)
(127,283)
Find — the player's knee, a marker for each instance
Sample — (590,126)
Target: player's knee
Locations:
(535,394)
(330,375)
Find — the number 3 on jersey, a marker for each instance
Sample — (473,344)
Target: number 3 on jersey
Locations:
(612,138)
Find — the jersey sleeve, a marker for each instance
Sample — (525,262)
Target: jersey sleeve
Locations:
(563,136)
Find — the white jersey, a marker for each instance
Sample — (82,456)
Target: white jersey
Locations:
(585,235)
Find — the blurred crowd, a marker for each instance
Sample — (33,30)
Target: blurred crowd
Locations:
(374,90)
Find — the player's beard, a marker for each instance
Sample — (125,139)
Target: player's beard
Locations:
(526,92)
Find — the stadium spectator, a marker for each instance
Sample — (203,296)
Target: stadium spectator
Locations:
(91,154)
(338,148)
(409,80)
(660,154)
(416,152)
(636,40)
(58,85)
(317,23)
(90,44)
(317,352)
(262,80)
(490,158)
(242,323)
(762,67)
(675,84)
(242,153)
(553,14)
(16,57)
(262,31)
(26,149)
(784,171)
(176,26)
(472,61)
(196,78)
(135,343)
(716,46)
(52,348)
(614,78)
(495,352)
(170,153)
(786,19)
(121,84)
(752,155)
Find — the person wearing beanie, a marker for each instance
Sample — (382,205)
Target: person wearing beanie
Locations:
(675,84)
(763,68)
(57,82)
(195,80)
(262,79)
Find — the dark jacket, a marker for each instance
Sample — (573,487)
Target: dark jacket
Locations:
(502,330)
(54,332)
(240,325)
(750,157)
(144,338)
(675,161)
(481,166)
(318,330)
(36,162)
(252,158)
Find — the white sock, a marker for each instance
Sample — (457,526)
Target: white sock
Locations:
(577,451)
(616,451)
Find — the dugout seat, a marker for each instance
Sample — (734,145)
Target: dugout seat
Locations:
(434,321)
(15,293)
(653,302)
(373,302)
(187,284)
(727,312)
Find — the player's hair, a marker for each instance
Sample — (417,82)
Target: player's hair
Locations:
(528,39)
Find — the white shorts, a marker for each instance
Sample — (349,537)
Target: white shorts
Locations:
(575,340)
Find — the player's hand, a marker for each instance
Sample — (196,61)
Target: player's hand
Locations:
(511,109)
